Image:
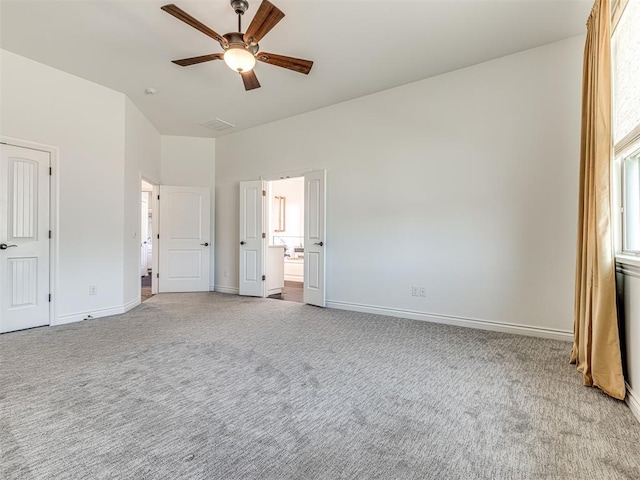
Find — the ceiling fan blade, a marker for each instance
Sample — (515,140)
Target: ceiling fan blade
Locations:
(250,80)
(185,62)
(189,20)
(267,16)
(296,64)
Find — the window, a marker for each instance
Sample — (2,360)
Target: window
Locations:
(626,123)
(631,203)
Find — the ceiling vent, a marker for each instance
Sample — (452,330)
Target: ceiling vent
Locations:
(218,125)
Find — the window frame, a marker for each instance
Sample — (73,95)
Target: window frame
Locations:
(632,150)
(622,149)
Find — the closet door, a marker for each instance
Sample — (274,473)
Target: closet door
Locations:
(184,244)
(24,238)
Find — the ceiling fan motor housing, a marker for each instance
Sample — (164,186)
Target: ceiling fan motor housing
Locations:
(240,6)
(236,39)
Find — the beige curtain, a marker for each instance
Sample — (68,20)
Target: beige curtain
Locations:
(596,345)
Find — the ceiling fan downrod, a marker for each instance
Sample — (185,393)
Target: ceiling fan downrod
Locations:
(239,6)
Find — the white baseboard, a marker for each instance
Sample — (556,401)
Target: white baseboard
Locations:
(223,289)
(356,307)
(103,312)
(132,304)
(457,321)
(633,401)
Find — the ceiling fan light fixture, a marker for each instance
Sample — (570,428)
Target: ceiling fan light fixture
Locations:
(239,59)
(241,49)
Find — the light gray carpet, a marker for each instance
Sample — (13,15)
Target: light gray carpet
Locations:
(213,386)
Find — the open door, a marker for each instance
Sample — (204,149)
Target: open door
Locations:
(144,234)
(252,238)
(314,241)
(184,242)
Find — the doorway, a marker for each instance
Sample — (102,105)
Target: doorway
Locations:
(175,249)
(146,240)
(262,249)
(285,219)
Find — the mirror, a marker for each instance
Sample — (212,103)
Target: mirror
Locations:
(281,206)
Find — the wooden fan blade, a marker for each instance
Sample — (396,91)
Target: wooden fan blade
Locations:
(267,16)
(189,20)
(296,64)
(185,62)
(250,80)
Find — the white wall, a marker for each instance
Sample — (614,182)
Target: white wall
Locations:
(465,183)
(105,145)
(142,158)
(86,122)
(104,142)
(191,161)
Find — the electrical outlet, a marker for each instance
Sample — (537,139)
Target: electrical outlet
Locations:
(415,291)
(423,292)
(93,290)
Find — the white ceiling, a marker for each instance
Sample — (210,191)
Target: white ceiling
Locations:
(358,47)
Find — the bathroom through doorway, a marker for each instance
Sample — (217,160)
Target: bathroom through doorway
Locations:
(285,250)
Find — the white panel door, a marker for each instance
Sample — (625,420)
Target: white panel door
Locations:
(24,238)
(184,244)
(144,234)
(314,241)
(252,243)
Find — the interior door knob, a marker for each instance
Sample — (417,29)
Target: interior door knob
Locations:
(319,244)
(206,244)
(4,246)
(243,242)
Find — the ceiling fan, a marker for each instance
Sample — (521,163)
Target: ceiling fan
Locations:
(241,49)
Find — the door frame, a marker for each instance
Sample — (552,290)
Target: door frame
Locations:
(54,252)
(155,207)
(267,213)
(285,175)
